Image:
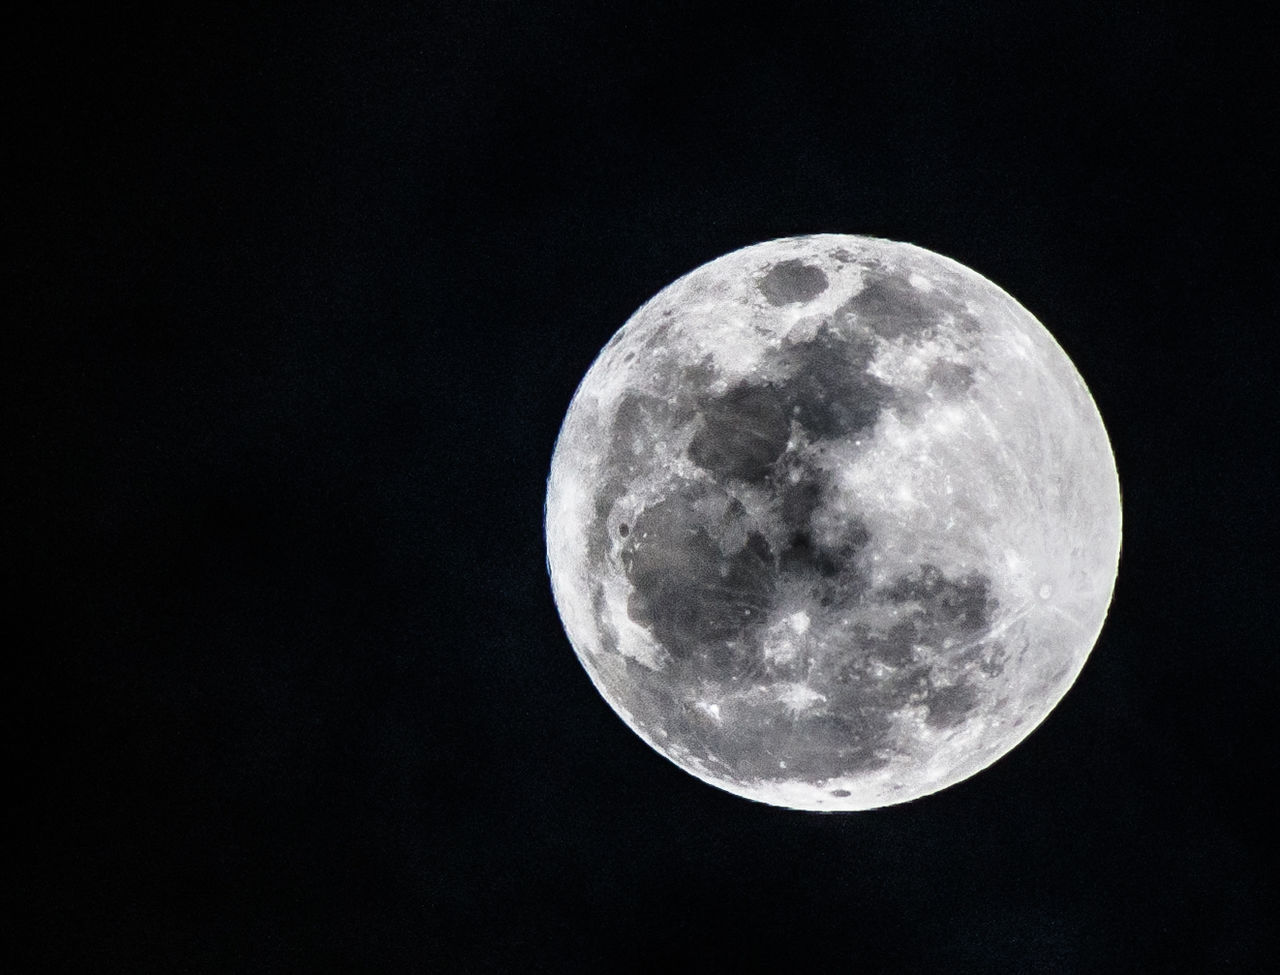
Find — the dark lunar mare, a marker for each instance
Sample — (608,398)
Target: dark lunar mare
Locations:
(826,567)
(791,282)
(829,390)
(702,604)
(891,307)
(952,606)
(941,614)
(743,433)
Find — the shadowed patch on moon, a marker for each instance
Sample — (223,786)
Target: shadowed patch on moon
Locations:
(960,605)
(700,603)
(949,706)
(824,567)
(896,647)
(801,555)
(791,282)
(743,433)
(828,572)
(800,499)
(831,392)
(891,307)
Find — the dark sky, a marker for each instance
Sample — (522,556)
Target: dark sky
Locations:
(297,302)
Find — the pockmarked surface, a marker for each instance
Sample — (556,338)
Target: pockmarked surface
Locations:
(832,522)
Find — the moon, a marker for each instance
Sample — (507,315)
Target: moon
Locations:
(832,522)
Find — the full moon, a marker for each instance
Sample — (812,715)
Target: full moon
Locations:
(832,522)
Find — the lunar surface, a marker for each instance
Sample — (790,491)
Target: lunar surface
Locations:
(832,522)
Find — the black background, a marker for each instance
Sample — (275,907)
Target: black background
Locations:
(299,300)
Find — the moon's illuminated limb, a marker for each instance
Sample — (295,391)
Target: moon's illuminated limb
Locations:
(861,435)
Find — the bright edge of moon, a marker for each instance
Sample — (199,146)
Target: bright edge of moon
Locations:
(832,522)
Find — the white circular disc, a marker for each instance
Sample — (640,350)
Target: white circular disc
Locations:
(832,522)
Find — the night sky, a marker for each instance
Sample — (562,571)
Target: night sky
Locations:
(296,302)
